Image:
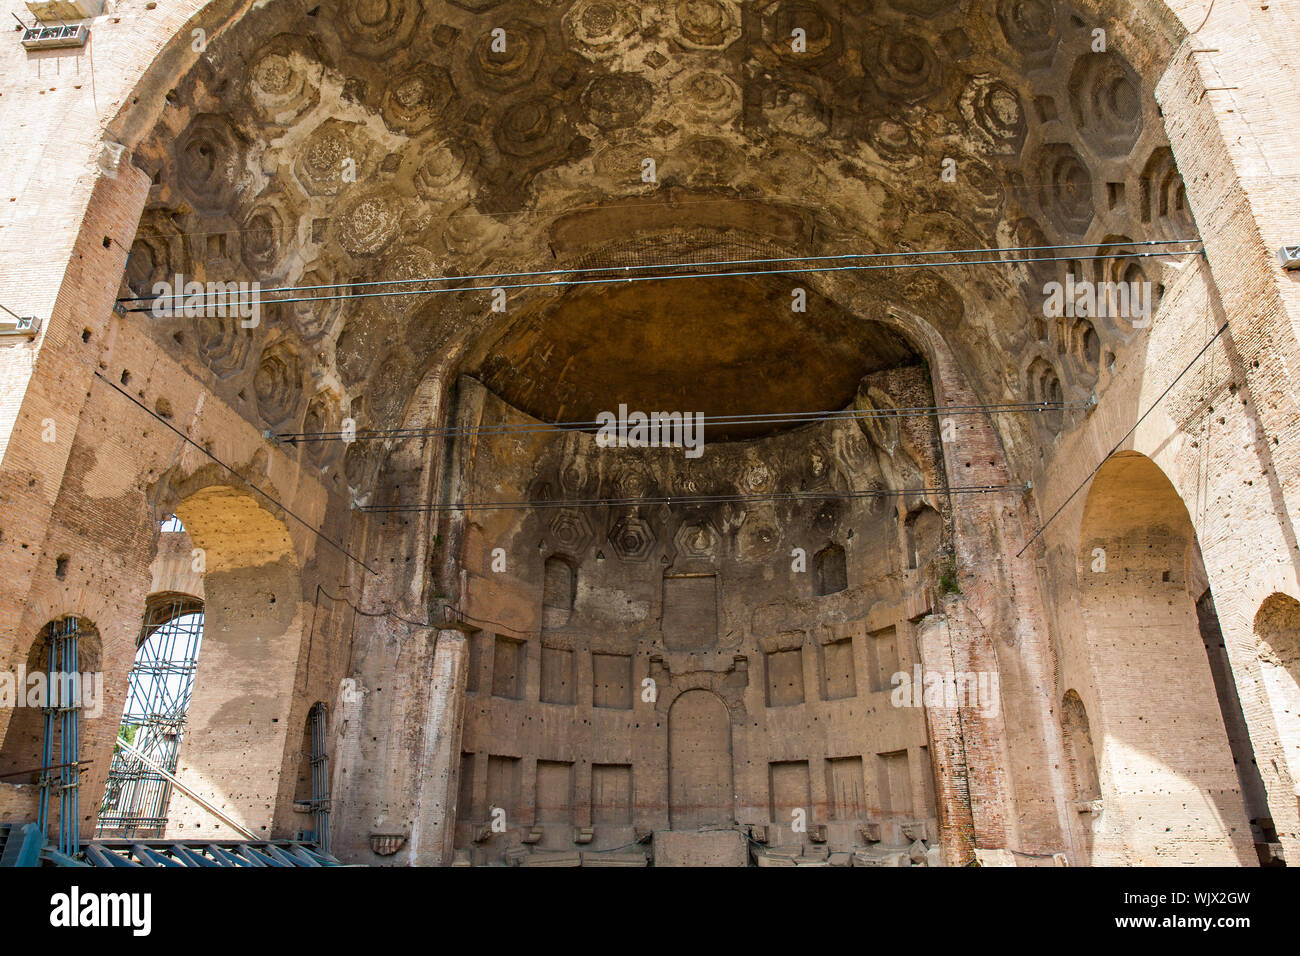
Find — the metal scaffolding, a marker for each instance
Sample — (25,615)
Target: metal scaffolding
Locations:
(320,781)
(160,686)
(62,710)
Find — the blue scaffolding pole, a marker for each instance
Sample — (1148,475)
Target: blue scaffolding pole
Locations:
(70,739)
(320,784)
(63,701)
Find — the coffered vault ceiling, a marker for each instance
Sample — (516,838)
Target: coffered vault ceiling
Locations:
(471,161)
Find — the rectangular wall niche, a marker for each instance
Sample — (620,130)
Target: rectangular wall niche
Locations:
(785,677)
(557,675)
(554,792)
(508,668)
(612,681)
(895,783)
(845,793)
(791,790)
(882,650)
(839,674)
(611,793)
(503,787)
(690,616)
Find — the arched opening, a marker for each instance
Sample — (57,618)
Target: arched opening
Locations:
(138,791)
(311,794)
(699,762)
(60,682)
(1277,630)
(1169,781)
(237,726)
(1081,760)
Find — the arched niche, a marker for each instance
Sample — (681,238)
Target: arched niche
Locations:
(559,587)
(1172,793)
(1277,632)
(830,570)
(699,761)
(22,744)
(924,533)
(1079,751)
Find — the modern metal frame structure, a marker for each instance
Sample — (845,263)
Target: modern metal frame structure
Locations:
(62,709)
(160,687)
(318,723)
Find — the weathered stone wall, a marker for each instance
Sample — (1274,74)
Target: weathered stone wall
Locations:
(586,605)
(846,147)
(125,471)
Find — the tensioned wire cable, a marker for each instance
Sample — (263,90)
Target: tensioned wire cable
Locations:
(234,300)
(721,262)
(768,418)
(591,502)
(818,496)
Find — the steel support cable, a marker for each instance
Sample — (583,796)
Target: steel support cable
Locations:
(393,614)
(333,544)
(236,300)
(766,418)
(1106,457)
(587,270)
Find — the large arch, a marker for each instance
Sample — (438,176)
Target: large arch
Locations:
(1170,786)
(238,729)
(137,797)
(809,166)
(20,749)
(468,162)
